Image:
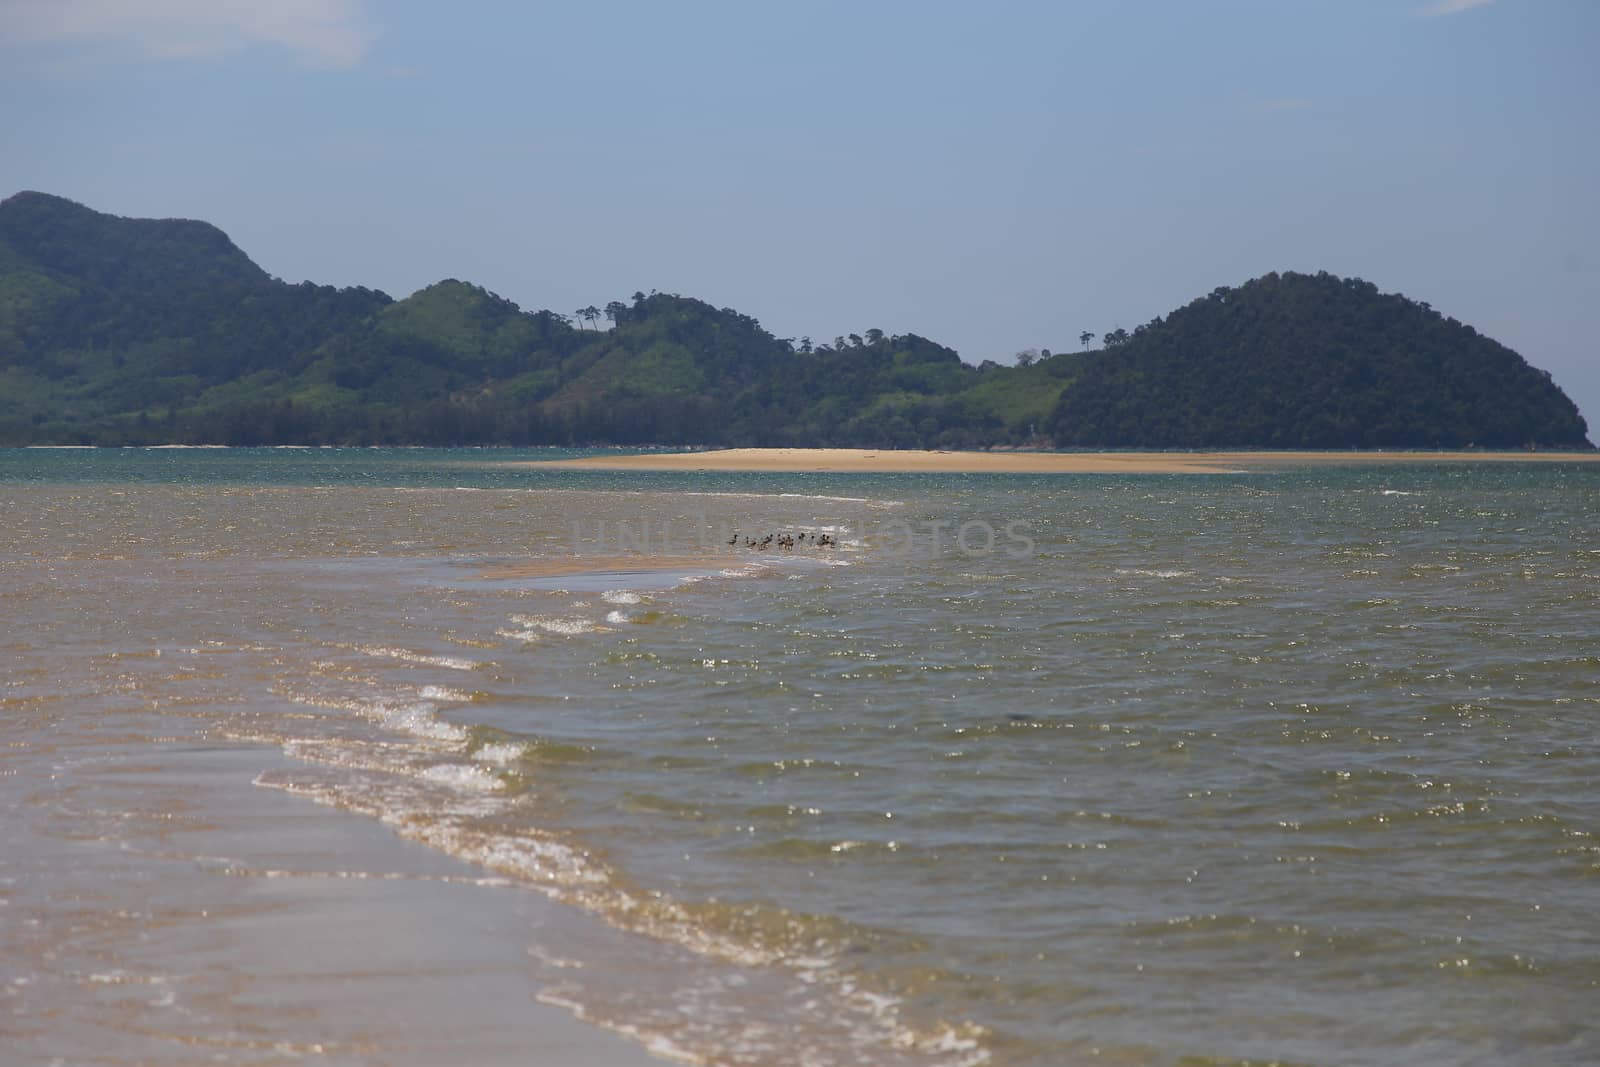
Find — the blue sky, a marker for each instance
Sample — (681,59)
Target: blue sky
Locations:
(995,175)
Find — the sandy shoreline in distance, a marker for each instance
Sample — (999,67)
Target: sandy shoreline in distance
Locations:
(869,460)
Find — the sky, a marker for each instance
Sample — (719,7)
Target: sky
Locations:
(992,175)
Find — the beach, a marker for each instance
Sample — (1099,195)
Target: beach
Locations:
(161,910)
(869,460)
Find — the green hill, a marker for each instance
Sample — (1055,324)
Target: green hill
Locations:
(107,323)
(1312,361)
(137,331)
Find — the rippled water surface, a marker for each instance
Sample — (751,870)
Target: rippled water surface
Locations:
(1290,767)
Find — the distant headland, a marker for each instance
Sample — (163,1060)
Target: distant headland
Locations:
(118,331)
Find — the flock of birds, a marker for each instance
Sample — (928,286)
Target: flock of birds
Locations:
(804,539)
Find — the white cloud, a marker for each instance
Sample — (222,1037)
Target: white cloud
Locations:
(1453,7)
(324,32)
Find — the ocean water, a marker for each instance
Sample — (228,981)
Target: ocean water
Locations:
(1288,767)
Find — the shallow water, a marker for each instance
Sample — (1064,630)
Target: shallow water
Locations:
(1289,766)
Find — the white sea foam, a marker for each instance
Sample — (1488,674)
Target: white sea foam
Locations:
(445,694)
(568,626)
(546,862)
(744,570)
(616,618)
(1154,573)
(464,776)
(568,874)
(501,753)
(620,596)
(411,809)
(419,719)
(454,663)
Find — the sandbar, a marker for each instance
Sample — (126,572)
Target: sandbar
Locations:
(869,460)
(602,566)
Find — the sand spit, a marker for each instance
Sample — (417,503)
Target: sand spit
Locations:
(867,460)
(600,566)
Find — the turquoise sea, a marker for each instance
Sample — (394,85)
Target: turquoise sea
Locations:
(1293,766)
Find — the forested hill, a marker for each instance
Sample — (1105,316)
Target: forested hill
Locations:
(1312,361)
(119,331)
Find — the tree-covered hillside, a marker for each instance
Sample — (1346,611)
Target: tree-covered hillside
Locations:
(1312,361)
(108,325)
(139,331)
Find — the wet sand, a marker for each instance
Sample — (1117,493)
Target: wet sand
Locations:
(594,571)
(161,910)
(866,460)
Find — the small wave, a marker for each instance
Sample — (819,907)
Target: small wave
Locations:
(810,948)
(419,720)
(451,489)
(454,663)
(867,501)
(566,627)
(1145,572)
(547,863)
(616,618)
(464,776)
(501,753)
(621,596)
(846,500)
(446,695)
